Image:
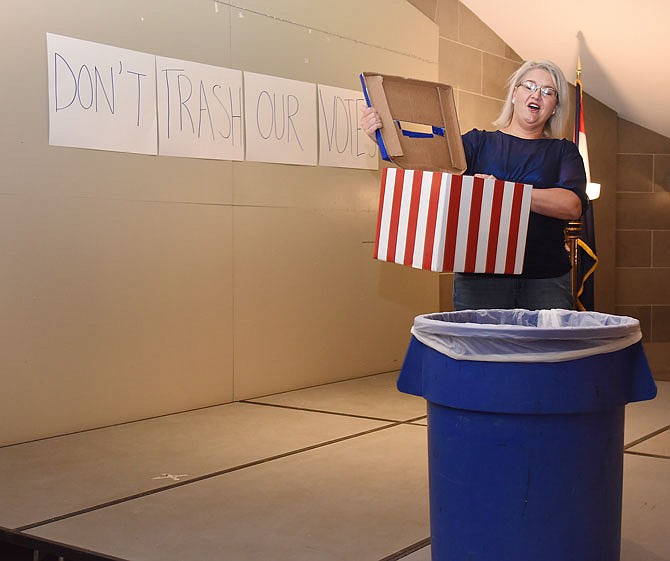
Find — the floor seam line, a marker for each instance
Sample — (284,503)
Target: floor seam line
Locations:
(192,410)
(398,555)
(336,413)
(115,425)
(52,547)
(200,478)
(322,385)
(648,455)
(646,437)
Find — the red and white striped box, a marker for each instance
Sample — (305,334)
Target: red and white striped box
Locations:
(443,222)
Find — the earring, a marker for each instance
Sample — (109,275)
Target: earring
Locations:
(512,102)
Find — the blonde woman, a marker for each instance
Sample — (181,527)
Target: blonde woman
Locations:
(526,147)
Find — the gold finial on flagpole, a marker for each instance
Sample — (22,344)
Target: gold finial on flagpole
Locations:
(579,67)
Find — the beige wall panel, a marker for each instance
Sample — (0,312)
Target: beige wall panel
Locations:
(75,172)
(658,355)
(635,172)
(117,300)
(119,290)
(643,205)
(460,66)
(634,139)
(512,54)
(660,324)
(316,187)
(642,313)
(39,168)
(660,248)
(474,32)
(662,172)
(633,248)
(446,292)
(476,111)
(641,211)
(179,28)
(336,317)
(496,71)
(427,7)
(373,22)
(112,311)
(447,18)
(601,129)
(280,48)
(312,306)
(641,286)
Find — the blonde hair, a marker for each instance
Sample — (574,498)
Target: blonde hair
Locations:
(555,125)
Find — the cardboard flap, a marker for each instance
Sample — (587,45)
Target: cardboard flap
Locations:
(420,125)
(375,91)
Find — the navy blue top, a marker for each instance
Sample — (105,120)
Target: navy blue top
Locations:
(542,163)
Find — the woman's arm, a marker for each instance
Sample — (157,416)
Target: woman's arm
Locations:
(569,201)
(556,202)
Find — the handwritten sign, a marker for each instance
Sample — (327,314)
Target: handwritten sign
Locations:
(199,110)
(100,96)
(341,141)
(281,120)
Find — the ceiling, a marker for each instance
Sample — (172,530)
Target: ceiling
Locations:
(624,46)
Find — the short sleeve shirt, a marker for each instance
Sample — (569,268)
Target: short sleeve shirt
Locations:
(542,163)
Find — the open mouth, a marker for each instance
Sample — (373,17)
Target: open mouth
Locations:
(534,107)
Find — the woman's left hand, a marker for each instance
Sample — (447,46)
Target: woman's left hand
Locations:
(370,121)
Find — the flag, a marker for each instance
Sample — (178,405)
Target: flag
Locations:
(443,222)
(587,260)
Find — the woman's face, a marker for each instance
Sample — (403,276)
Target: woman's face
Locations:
(533,108)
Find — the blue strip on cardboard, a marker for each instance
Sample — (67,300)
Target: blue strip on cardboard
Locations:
(421,131)
(378,133)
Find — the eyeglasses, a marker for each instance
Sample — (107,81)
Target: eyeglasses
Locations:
(532,87)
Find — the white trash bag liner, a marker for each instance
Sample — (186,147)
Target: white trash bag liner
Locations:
(525,336)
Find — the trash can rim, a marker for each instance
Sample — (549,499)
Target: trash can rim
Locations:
(440,320)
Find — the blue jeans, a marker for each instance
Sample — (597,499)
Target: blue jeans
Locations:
(472,292)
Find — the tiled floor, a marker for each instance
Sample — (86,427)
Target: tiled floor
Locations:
(337,472)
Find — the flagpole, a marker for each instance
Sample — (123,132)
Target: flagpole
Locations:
(574,229)
(572,233)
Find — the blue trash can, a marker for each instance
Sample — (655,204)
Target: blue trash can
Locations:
(525,430)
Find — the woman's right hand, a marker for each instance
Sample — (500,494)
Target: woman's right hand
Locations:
(370,122)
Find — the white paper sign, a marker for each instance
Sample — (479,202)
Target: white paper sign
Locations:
(199,110)
(101,97)
(280,117)
(342,143)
